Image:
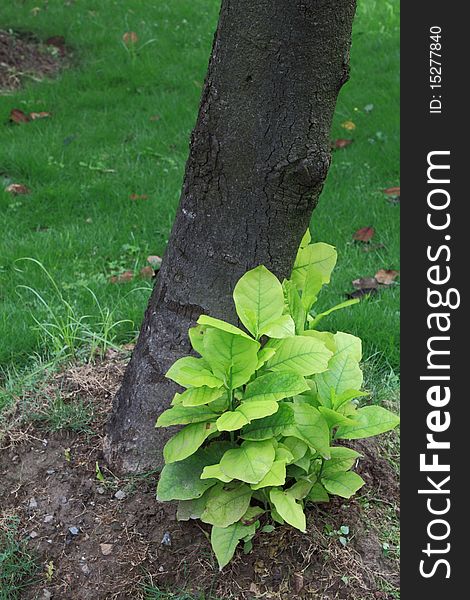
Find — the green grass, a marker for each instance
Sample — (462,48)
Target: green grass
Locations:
(17,566)
(154,593)
(80,222)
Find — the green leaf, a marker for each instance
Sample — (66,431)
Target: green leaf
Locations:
(322,256)
(224,541)
(348,344)
(196,337)
(344,372)
(269,427)
(250,462)
(252,514)
(264,355)
(191,509)
(288,509)
(326,337)
(232,358)
(187,441)
(257,409)
(214,472)
(296,446)
(304,463)
(300,489)
(283,453)
(340,306)
(201,395)
(342,459)
(276,517)
(193,372)
(306,239)
(311,287)
(281,327)
(182,480)
(371,420)
(258,299)
(342,483)
(338,400)
(222,325)
(318,494)
(312,427)
(182,415)
(294,305)
(301,354)
(275,476)
(275,386)
(334,418)
(231,421)
(177,399)
(226,504)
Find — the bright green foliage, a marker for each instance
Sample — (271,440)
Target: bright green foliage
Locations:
(263,407)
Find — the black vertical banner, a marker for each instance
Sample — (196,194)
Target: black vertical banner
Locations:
(435,318)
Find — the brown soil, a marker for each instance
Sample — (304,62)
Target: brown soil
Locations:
(22,57)
(49,481)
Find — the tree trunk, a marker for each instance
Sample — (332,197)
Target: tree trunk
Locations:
(259,155)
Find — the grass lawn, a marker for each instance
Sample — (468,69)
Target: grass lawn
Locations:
(105,171)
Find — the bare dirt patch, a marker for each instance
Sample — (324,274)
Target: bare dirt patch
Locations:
(23,56)
(102,540)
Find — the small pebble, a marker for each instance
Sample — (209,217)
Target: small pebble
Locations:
(33,534)
(46,595)
(85,569)
(120,495)
(33,504)
(161,569)
(48,518)
(100,490)
(50,471)
(74,530)
(166,539)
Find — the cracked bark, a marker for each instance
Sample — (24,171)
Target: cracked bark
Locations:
(259,155)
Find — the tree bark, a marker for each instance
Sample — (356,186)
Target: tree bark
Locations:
(259,155)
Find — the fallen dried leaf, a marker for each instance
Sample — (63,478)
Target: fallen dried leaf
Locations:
(340,143)
(122,277)
(147,272)
(18,116)
(365,283)
(386,276)
(154,261)
(392,191)
(297,582)
(39,115)
(138,196)
(364,235)
(155,118)
(17,188)
(349,125)
(372,247)
(130,38)
(361,292)
(58,41)
(106,549)
(254,589)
